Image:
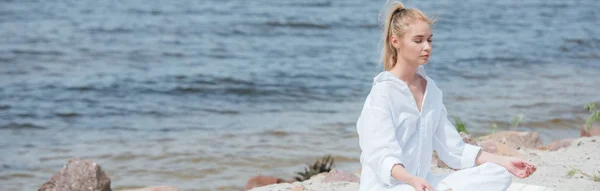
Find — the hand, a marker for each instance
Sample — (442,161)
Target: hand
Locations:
(519,167)
(420,184)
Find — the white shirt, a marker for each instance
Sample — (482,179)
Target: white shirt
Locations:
(392,131)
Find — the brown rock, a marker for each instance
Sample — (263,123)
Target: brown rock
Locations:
(553,146)
(514,139)
(78,175)
(503,149)
(491,146)
(488,146)
(258,181)
(338,176)
(594,131)
(468,139)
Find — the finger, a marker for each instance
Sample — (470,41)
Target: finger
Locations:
(528,170)
(418,187)
(529,164)
(524,163)
(532,169)
(429,187)
(519,164)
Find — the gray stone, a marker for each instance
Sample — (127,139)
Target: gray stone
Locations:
(78,175)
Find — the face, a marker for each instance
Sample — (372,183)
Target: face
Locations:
(415,46)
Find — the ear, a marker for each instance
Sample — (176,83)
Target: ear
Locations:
(395,42)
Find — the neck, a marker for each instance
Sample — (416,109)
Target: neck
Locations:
(405,72)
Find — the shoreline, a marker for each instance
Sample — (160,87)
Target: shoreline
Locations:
(284,169)
(581,159)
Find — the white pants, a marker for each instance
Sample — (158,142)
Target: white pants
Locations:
(488,176)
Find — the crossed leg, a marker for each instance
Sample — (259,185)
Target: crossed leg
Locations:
(488,176)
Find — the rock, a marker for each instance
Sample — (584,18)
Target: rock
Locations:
(48,186)
(258,181)
(503,149)
(316,183)
(468,139)
(498,148)
(553,146)
(154,188)
(78,175)
(508,143)
(488,146)
(513,139)
(594,131)
(338,176)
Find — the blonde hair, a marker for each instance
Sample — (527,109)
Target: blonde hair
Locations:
(396,22)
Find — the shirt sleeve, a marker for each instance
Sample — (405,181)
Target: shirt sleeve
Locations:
(450,146)
(378,142)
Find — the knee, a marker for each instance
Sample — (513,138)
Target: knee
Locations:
(497,171)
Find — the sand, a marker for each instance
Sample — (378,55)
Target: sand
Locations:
(553,166)
(582,156)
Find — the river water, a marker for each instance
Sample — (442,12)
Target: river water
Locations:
(204,94)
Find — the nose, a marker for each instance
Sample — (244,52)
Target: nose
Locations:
(427,47)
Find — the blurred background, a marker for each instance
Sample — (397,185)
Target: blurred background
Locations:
(204,94)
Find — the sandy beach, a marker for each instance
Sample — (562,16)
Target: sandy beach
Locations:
(582,157)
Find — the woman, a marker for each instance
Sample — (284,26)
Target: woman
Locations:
(404,120)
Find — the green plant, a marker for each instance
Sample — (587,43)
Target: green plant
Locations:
(324,164)
(460,125)
(574,171)
(518,119)
(593,108)
(494,127)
